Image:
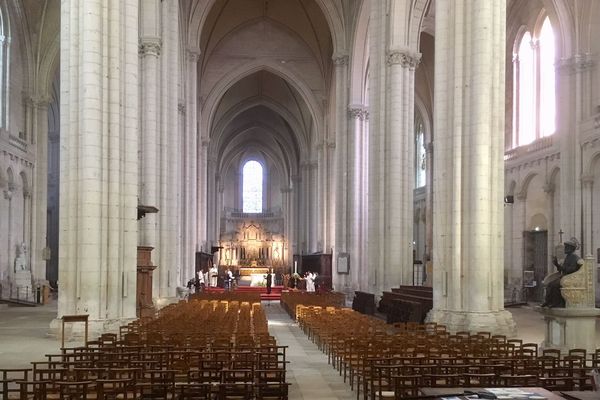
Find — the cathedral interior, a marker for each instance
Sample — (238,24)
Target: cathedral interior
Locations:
(447,144)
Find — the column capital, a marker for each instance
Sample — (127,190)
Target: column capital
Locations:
(331,144)
(587,181)
(340,59)
(150,47)
(286,189)
(8,194)
(549,188)
(358,112)
(37,100)
(192,54)
(205,142)
(181,108)
(406,58)
(522,195)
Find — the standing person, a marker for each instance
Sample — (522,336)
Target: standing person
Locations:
(310,282)
(269,281)
(213,274)
(228,279)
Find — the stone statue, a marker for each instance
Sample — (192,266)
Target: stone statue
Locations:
(21,259)
(571,263)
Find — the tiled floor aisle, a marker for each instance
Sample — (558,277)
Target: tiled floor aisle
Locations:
(312,378)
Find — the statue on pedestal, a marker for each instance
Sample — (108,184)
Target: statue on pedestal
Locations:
(571,263)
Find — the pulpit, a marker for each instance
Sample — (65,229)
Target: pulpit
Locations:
(575,325)
(145,307)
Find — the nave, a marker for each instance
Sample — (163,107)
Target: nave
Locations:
(23,339)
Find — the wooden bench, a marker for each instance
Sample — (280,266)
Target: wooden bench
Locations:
(406,304)
(364,303)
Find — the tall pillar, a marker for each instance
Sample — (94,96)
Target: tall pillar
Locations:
(99,161)
(356,117)
(169,269)
(40,189)
(587,181)
(341,158)
(149,50)
(400,156)
(469,178)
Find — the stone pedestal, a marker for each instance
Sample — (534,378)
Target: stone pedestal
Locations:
(22,288)
(570,328)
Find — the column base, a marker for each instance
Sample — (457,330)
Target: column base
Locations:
(76,331)
(570,328)
(496,322)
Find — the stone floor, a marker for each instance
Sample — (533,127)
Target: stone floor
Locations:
(23,339)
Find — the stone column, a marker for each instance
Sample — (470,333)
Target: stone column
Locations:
(400,156)
(469,177)
(99,161)
(587,181)
(40,188)
(429,202)
(356,117)
(519,225)
(342,158)
(150,48)
(321,201)
(168,267)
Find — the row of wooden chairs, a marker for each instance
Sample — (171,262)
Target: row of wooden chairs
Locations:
(291,300)
(374,356)
(173,356)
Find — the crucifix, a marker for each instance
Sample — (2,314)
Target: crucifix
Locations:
(560,233)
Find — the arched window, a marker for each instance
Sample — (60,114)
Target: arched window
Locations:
(420,177)
(252,187)
(535,86)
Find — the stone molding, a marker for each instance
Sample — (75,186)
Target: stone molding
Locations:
(404,58)
(577,63)
(340,59)
(150,47)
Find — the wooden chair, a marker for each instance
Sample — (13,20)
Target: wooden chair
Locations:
(122,389)
(194,391)
(8,377)
(407,386)
(33,390)
(74,390)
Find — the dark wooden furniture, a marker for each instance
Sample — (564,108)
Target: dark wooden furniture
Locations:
(406,304)
(203,261)
(144,305)
(319,263)
(364,303)
(71,319)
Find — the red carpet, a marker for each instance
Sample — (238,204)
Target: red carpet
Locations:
(275,291)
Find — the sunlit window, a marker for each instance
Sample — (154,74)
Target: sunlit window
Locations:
(547,81)
(420,177)
(535,86)
(252,187)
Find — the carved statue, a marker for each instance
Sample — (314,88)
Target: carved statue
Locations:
(571,263)
(21,259)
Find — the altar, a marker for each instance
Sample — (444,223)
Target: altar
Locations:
(253,276)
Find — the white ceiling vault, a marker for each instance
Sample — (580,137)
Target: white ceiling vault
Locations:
(264,76)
